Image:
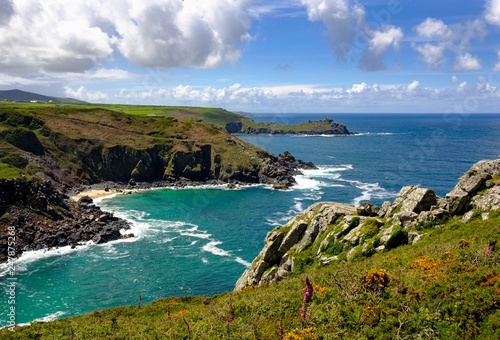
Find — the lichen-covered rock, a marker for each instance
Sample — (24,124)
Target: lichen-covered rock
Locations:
(474,180)
(368,209)
(329,231)
(490,200)
(415,199)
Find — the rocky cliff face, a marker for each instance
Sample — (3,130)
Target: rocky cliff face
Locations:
(329,231)
(41,217)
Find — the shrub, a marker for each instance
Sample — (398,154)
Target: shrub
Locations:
(376,280)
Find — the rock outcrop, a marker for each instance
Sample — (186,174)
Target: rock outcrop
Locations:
(328,231)
(320,127)
(41,217)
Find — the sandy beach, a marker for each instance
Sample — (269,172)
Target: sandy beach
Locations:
(95,194)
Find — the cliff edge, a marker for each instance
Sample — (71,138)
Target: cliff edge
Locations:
(329,231)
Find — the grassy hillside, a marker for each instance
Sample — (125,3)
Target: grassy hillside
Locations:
(447,286)
(77,137)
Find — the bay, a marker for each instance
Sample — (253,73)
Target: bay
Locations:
(198,241)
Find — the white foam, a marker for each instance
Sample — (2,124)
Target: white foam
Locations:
(51,317)
(374,134)
(243,262)
(204,260)
(211,247)
(369,191)
(306,182)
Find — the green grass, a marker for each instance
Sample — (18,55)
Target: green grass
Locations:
(441,288)
(8,171)
(73,133)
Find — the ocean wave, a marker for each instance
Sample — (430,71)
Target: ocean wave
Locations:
(243,262)
(211,247)
(51,317)
(369,191)
(375,134)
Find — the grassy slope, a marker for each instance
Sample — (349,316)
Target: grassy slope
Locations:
(111,125)
(447,286)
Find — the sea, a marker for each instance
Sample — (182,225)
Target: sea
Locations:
(198,241)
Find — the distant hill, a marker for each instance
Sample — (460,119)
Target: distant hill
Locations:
(23,96)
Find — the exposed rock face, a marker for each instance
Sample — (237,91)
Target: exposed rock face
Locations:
(458,200)
(415,199)
(45,218)
(334,231)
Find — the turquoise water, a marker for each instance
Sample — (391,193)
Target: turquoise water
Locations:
(199,241)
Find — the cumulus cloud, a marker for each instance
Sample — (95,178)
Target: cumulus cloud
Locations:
(437,38)
(467,62)
(171,33)
(433,29)
(351,34)
(492,13)
(358,97)
(380,42)
(76,36)
(413,86)
(431,54)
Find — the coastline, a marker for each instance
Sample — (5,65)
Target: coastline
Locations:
(96,194)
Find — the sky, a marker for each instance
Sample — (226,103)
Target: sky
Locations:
(261,56)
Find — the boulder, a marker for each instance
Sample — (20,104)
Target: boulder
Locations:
(474,180)
(415,199)
(368,209)
(490,200)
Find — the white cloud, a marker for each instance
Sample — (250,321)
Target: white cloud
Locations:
(276,8)
(380,41)
(358,88)
(433,29)
(431,54)
(82,94)
(350,34)
(75,36)
(467,62)
(359,97)
(492,13)
(497,65)
(53,36)
(413,86)
(436,39)
(172,33)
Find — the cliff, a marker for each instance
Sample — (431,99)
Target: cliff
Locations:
(319,127)
(74,146)
(48,151)
(328,231)
(41,217)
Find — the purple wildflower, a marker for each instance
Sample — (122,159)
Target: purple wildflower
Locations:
(488,250)
(303,313)
(309,290)
(282,331)
(230,318)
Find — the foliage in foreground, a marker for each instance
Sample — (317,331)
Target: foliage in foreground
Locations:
(447,286)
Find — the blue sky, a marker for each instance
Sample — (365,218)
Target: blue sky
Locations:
(272,56)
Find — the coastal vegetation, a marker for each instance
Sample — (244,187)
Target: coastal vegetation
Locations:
(446,286)
(419,267)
